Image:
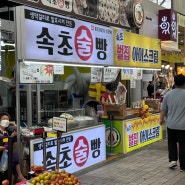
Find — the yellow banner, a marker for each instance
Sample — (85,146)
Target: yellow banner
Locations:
(141,132)
(134,50)
(172,57)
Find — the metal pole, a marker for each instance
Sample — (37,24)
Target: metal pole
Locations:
(10,158)
(44,135)
(154,85)
(38,98)
(59,135)
(111,134)
(111,137)
(29,104)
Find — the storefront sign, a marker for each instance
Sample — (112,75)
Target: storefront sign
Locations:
(133,50)
(141,132)
(167,29)
(58,38)
(36,73)
(78,150)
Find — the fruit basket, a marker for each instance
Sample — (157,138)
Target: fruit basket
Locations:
(55,177)
(37,169)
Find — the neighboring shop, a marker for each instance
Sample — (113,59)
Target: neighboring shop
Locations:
(129,131)
(172,44)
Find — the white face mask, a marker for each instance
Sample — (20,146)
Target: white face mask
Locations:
(4,123)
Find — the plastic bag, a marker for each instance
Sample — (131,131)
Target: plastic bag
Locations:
(4,161)
(121,92)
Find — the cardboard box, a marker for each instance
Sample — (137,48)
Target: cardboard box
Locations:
(116,111)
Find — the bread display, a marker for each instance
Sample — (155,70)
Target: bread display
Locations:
(69,117)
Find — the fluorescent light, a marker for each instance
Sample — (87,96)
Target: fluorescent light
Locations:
(2,43)
(27,62)
(5,79)
(122,67)
(3,50)
(61,64)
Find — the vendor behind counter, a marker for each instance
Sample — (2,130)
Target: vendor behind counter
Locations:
(150,90)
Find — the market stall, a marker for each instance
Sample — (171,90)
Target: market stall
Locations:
(83,133)
(46,52)
(131,134)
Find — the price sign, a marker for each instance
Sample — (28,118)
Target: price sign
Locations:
(60,124)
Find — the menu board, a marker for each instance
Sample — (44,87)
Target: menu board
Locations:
(96,74)
(36,73)
(109,74)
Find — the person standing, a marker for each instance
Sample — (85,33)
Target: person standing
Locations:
(150,88)
(107,97)
(173,114)
(5,132)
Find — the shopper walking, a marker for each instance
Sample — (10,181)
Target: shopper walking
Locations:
(173,113)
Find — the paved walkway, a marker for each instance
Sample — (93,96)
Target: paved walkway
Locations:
(145,166)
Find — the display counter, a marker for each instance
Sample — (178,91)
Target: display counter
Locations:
(79,149)
(131,134)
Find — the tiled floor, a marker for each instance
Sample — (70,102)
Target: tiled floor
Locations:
(146,166)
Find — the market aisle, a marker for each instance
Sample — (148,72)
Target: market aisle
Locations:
(146,166)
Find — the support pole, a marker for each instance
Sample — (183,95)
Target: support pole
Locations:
(59,135)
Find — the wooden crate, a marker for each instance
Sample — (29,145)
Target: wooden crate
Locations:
(117,111)
(153,103)
(136,111)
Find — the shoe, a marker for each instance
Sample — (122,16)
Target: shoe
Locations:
(172,164)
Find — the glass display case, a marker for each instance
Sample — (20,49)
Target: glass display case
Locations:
(76,118)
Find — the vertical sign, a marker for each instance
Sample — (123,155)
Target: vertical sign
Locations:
(167,28)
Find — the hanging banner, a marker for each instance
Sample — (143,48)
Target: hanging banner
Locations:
(133,50)
(52,37)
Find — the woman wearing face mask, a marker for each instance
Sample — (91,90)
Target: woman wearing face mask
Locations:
(5,131)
